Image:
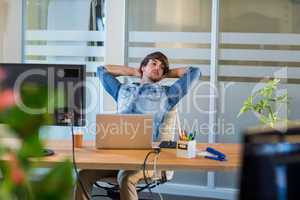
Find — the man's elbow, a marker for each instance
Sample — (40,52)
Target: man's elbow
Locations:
(100,71)
(196,72)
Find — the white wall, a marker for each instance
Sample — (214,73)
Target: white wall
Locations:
(10,31)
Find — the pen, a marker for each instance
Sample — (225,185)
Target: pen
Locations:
(180,135)
(194,135)
(190,136)
(184,136)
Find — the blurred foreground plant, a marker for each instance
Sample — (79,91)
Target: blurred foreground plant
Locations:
(17,177)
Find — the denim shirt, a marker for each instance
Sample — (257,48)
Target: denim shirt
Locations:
(148,98)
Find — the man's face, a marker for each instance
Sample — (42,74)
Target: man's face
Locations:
(154,70)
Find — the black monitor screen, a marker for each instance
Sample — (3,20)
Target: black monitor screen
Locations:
(66,80)
(270,165)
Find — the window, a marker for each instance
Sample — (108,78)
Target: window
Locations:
(63,32)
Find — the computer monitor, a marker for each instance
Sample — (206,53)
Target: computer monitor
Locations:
(67,80)
(270,164)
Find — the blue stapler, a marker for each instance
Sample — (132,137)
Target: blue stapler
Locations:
(213,154)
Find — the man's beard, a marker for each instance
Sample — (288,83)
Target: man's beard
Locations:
(154,79)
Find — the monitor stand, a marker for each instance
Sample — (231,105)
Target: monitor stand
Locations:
(47,152)
(44,153)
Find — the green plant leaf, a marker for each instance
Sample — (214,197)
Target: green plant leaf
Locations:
(266,100)
(263,119)
(18,118)
(248,105)
(270,87)
(56,184)
(282,98)
(243,110)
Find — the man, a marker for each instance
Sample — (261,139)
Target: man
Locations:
(146,97)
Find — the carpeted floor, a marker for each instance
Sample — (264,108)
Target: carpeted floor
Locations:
(147,196)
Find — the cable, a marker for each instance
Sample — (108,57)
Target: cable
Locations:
(156,176)
(74,163)
(158,191)
(144,170)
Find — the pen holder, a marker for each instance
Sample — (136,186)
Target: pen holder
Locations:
(186,149)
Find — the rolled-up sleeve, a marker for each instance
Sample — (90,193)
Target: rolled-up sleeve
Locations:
(180,88)
(109,82)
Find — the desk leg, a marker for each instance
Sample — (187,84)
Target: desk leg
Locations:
(211,179)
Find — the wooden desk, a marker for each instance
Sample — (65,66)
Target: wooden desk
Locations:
(90,158)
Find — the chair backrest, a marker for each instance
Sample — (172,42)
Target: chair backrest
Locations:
(168,130)
(170,126)
(270,166)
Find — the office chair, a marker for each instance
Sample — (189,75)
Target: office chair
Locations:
(113,191)
(167,133)
(271,164)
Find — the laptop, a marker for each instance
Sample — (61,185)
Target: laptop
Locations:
(124,131)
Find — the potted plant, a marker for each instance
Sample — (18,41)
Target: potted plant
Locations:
(17,179)
(263,101)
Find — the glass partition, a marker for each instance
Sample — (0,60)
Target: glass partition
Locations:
(260,40)
(67,32)
(181,30)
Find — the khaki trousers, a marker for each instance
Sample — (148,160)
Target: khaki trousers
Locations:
(127,181)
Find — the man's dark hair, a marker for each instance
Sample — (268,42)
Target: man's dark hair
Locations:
(158,56)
